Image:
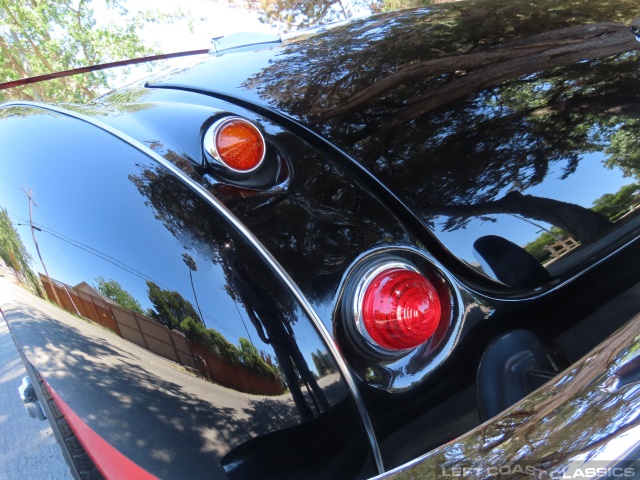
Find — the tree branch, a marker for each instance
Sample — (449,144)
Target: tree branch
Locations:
(582,223)
(614,42)
(524,56)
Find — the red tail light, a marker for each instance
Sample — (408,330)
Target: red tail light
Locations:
(235,143)
(398,308)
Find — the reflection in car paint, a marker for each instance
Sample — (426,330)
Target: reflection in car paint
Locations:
(165,248)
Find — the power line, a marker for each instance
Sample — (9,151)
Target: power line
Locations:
(221,325)
(119,264)
(93,251)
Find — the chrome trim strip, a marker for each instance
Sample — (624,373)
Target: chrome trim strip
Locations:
(575,424)
(253,240)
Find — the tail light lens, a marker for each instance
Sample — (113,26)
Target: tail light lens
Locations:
(235,143)
(397,308)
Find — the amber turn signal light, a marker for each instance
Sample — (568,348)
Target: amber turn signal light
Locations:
(235,143)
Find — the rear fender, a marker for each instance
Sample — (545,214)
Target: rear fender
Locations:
(177,339)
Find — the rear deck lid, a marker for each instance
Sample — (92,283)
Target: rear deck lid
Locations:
(510,130)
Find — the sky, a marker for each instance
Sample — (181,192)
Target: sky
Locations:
(213,19)
(219,19)
(209,19)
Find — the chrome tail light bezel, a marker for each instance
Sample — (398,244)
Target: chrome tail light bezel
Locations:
(356,286)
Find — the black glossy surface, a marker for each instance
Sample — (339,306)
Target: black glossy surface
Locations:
(319,224)
(496,124)
(107,210)
(485,119)
(434,398)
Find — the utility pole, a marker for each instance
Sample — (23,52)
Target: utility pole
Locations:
(33,234)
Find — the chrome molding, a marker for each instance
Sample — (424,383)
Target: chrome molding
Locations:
(253,240)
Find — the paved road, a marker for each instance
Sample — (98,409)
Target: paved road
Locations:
(28,448)
(149,408)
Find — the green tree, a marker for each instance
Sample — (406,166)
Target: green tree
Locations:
(193,267)
(250,358)
(14,253)
(38,37)
(210,339)
(624,150)
(295,14)
(324,364)
(614,205)
(171,308)
(538,249)
(113,290)
(495,107)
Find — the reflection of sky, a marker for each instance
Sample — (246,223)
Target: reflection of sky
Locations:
(227,71)
(589,182)
(96,207)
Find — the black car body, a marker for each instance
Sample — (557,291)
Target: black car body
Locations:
(474,143)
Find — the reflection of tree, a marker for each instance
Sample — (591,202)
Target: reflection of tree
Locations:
(171,308)
(250,357)
(113,290)
(482,70)
(273,312)
(581,222)
(624,150)
(323,363)
(14,253)
(294,14)
(462,119)
(181,212)
(538,248)
(214,342)
(274,329)
(614,205)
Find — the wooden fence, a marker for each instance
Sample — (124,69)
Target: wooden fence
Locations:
(157,338)
(235,376)
(153,336)
(82,304)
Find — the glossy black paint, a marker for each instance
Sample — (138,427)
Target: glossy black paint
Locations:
(297,222)
(351,183)
(319,224)
(433,398)
(512,130)
(107,210)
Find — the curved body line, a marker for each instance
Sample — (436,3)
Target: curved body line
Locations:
(253,240)
(495,292)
